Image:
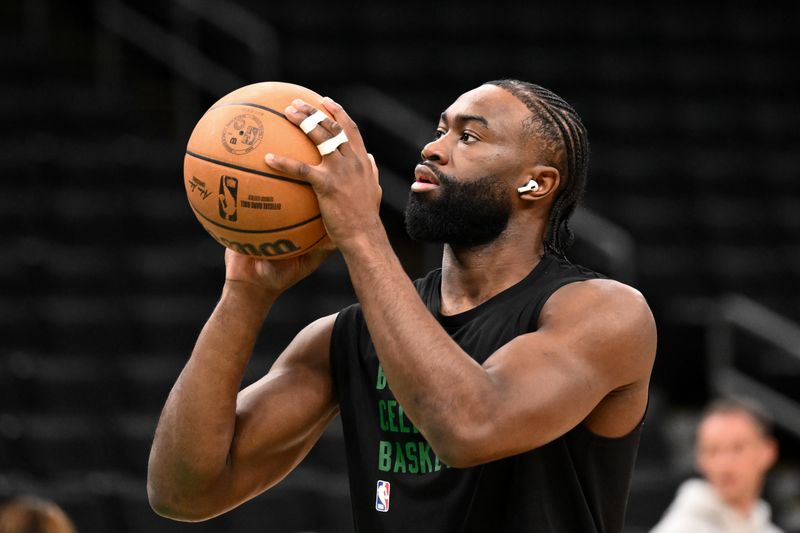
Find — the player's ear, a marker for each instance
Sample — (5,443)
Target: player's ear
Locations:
(540,182)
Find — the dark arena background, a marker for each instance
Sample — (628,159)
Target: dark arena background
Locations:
(107,277)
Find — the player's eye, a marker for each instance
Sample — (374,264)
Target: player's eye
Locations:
(438,134)
(467,137)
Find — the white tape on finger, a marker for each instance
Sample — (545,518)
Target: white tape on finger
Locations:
(332,144)
(312,120)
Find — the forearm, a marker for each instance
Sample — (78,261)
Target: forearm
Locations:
(194,434)
(441,388)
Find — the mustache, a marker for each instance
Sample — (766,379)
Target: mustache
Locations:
(441,176)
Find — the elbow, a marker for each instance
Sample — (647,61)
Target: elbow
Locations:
(181,512)
(168,508)
(457,458)
(465,445)
(164,508)
(182,491)
(173,503)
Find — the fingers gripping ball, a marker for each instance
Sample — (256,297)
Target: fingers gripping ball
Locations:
(242,202)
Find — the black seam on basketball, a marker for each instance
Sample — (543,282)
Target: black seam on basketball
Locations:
(245,169)
(239,230)
(317,241)
(265,108)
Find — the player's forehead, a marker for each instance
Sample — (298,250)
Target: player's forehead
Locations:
(498,107)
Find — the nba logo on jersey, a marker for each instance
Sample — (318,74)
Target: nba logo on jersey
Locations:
(382,496)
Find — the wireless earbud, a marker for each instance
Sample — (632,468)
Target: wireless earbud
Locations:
(531,186)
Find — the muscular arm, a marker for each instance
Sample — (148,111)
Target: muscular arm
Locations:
(215,446)
(590,358)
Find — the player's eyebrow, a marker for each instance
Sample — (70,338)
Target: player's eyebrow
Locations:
(462,118)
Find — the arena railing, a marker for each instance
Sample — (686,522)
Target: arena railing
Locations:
(738,313)
(184,58)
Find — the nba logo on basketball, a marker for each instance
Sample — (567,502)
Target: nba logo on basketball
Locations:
(228,191)
(382,496)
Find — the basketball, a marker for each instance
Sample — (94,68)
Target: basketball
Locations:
(240,200)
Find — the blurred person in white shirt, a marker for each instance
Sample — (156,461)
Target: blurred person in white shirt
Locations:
(734,451)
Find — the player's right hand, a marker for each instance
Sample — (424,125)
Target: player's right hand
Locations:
(274,276)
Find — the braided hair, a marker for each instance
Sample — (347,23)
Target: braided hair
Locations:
(565,143)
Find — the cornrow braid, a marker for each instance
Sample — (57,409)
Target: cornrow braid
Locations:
(565,141)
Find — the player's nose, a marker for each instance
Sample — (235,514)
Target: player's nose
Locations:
(435,151)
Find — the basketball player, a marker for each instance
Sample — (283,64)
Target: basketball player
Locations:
(502,392)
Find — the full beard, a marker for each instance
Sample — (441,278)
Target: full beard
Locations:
(464,214)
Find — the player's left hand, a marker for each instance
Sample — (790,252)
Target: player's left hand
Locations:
(345,181)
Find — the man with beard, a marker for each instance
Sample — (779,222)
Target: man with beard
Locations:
(502,392)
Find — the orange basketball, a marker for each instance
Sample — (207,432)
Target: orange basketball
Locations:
(240,200)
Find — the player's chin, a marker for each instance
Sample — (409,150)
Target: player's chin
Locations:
(421,197)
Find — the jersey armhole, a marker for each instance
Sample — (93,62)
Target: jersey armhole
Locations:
(635,430)
(345,335)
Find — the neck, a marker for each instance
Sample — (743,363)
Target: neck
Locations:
(744,506)
(470,276)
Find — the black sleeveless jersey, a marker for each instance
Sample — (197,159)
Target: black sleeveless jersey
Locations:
(577,483)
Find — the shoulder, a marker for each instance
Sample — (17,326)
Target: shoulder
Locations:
(695,497)
(695,490)
(310,347)
(610,325)
(763,515)
(601,292)
(695,508)
(616,306)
